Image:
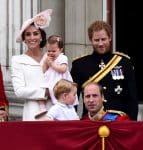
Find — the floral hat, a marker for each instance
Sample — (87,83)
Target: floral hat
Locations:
(41,20)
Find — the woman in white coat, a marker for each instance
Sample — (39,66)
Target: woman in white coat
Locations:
(27,72)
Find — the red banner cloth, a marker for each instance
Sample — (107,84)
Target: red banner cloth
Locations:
(70,135)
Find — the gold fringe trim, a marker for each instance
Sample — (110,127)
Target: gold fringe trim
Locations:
(100,74)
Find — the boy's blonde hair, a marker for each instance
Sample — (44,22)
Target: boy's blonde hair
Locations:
(63,86)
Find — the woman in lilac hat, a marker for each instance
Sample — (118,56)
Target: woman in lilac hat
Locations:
(27,72)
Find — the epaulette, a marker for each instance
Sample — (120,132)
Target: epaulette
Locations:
(121,54)
(80,56)
(121,113)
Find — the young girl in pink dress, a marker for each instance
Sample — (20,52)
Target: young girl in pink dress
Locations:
(55,68)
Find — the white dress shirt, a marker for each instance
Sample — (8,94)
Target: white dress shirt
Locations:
(61,111)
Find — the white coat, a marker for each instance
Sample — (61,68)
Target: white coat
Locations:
(27,76)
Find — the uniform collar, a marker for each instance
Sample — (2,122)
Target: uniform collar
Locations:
(101,56)
(97,116)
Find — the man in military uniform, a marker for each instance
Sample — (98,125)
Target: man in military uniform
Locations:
(93,99)
(3,100)
(113,70)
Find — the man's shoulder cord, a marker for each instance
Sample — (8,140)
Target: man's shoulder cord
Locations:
(121,113)
(103,72)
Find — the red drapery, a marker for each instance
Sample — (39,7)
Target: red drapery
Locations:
(70,135)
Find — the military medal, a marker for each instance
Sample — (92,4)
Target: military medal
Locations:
(117,73)
(121,73)
(102,64)
(113,74)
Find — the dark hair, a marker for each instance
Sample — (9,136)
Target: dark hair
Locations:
(97,26)
(55,39)
(43,35)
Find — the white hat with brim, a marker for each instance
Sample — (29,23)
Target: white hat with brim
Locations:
(41,20)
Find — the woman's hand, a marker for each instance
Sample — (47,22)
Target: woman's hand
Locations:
(3,115)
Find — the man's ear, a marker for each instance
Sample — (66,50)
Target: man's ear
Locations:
(103,98)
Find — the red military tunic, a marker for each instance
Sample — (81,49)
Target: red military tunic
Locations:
(3,100)
(109,115)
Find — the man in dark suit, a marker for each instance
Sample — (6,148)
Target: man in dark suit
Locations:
(93,99)
(113,70)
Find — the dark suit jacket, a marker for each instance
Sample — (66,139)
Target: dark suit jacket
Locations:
(120,93)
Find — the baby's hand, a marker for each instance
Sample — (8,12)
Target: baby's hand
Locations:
(45,118)
(49,60)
